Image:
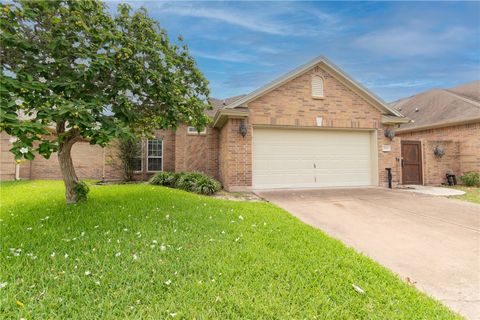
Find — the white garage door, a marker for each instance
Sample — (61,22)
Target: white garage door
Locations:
(287,158)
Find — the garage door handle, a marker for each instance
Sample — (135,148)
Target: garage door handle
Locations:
(314,166)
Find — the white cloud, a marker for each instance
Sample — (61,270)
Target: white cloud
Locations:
(254,19)
(412,40)
(223,56)
(399,84)
(229,56)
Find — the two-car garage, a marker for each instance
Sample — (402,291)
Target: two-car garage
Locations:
(313,158)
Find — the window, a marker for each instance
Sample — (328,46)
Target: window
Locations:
(317,87)
(154,155)
(137,163)
(193,130)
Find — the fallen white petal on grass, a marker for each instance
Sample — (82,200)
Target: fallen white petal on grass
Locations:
(358,289)
(3,284)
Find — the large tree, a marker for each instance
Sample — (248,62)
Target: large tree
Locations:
(72,71)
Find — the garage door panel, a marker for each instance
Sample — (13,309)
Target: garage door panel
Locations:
(310,158)
(267,166)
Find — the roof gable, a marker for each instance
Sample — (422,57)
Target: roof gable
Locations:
(334,71)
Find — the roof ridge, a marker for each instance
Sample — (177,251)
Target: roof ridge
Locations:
(468,100)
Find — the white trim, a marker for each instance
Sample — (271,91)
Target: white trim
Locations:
(374,158)
(141,158)
(195,131)
(156,157)
(313,78)
(377,101)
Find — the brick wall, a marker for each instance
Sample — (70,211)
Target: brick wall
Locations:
(435,168)
(90,161)
(114,169)
(87,159)
(7,160)
(224,155)
(462,151)
(235,156)
(389,159)
(197,152)
(292,105)
(181,152)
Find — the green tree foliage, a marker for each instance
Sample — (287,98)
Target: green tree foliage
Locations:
(71,71)
(129,153)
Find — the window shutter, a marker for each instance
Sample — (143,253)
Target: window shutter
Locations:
(317,87)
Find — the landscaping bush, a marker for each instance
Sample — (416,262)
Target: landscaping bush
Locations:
(167,179)
(471,179)
(207,185)
(188,181)
(81,190)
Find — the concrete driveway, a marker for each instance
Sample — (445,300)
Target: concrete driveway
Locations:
(433,242)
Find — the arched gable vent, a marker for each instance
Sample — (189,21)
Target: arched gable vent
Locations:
(317,86)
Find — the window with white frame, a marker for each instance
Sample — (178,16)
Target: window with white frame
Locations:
(193,130)
(317,86)
(137,161)
(154,155)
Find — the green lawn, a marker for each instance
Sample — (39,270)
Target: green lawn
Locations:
(145,252)
(472,194)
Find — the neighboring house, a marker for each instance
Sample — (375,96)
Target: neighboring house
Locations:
(445,120)
(313,127)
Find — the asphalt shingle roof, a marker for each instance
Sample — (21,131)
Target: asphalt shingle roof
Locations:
(221,103)
(438,106)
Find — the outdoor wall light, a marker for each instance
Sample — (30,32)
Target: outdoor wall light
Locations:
(438,151)
(242,129)
(390,134)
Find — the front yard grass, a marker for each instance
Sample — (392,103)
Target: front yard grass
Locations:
(472,194)
(148,252)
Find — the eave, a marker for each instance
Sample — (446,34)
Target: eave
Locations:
(223,115)
(438,125)
(392,120)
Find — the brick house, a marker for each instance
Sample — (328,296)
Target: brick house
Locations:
(313,127)
(443,119)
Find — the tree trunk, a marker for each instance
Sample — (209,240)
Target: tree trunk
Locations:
(68,171)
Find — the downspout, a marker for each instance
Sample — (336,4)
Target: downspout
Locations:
(103,165)
(17,171)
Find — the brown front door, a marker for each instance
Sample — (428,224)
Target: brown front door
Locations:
(411,162)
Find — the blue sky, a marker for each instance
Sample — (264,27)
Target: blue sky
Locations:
(395,49)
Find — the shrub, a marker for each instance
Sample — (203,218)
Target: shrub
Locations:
(188,181)
(81,190)
(206,185)
(471,179)
(167,179)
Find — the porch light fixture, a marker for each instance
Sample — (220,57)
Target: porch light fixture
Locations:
(242,129)
(438,151)
(390,134)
